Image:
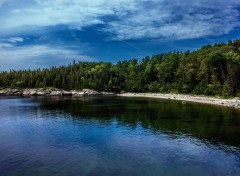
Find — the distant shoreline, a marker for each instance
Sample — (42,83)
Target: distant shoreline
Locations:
(53,92)
(231,102)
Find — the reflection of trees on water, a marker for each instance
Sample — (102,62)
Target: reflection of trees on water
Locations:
(208,123)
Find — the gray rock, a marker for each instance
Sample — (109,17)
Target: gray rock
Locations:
(43,92)
(85,93)
(29,92)
(78,94)
(66,93)
(89,92)
(3,92)
(56,93)
(107,93)
(33,92)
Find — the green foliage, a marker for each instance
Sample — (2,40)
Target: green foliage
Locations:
(154,87)
(211,70)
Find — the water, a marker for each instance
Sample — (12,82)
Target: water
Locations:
(117,136)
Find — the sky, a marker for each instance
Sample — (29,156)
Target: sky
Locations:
(44,33)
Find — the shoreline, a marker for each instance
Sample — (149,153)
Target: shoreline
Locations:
(231,102)
(53,92)
(227,102)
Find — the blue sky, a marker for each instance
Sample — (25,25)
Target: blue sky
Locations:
(43,33)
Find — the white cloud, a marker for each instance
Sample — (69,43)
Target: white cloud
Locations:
(178,20)
(15,39)
(128,19)
(10,42)
(74,13)
(6,45)
(37,56)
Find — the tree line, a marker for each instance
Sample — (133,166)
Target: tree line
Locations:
(210,70)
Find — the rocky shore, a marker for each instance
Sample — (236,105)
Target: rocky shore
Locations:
(231,102)
(53,92)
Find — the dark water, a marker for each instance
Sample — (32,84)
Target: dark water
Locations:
(117,136)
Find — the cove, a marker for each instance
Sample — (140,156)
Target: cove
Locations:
(117,136)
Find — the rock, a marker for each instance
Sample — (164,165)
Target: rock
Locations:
(77,94)
(66,93)
(237,105)
(47,92)
(107,93)
(73,92)
(25,92)
(33,92)
(40,93)
(16,92)
(3,92)
(85,93)
(10,92)
(89,92)
(56,93)
(29,92)
(43,92)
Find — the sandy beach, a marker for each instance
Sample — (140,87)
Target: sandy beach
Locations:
(232,102)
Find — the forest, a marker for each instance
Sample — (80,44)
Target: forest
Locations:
(211,70)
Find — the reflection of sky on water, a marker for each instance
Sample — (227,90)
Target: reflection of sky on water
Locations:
(34,139)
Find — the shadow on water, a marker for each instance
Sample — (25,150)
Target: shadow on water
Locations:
(210,124)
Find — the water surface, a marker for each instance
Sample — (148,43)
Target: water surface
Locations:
(117,136)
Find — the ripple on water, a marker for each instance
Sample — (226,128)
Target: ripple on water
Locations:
(73,138)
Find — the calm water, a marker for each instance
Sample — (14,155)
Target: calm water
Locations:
(117,136)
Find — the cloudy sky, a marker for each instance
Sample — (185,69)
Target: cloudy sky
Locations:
(43,33)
